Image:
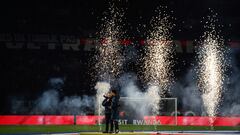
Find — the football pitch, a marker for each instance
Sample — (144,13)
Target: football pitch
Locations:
(95,129)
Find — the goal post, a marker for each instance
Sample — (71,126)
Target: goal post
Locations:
(141,114)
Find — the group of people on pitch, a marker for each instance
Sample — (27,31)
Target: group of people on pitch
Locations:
(111,104)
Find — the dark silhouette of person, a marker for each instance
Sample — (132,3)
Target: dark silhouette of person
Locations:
(115,111)
(107,102)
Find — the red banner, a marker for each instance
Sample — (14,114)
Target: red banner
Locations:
(88,120)
(36,120)
(58,120)
(93,120)
(195,120)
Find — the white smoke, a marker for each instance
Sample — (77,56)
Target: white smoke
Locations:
(230,105)
(102,88)
(51,103)
(153,96)
(76,105)
(188,94)
(143,103)
(47,103)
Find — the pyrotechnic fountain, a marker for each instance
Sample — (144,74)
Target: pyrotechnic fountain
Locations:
(157,63)
(109,58)
(211,67)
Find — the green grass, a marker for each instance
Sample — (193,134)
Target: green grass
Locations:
(75,128)
(46,129)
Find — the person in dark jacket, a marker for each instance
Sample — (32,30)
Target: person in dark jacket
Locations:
(107,102)
(115,111)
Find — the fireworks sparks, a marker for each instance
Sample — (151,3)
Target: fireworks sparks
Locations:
(109,60)
(211,66)
(157,63)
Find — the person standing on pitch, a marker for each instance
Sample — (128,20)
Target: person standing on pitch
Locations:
(107,102)
(115,111)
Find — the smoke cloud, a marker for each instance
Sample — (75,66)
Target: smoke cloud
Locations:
(51,103)
(188,94)
(102,88)
(230,104)
(143,103)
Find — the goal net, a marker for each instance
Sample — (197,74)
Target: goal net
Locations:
(141,114)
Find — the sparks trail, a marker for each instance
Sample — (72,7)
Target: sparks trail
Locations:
(109,58)
(212,66)
(157,61)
